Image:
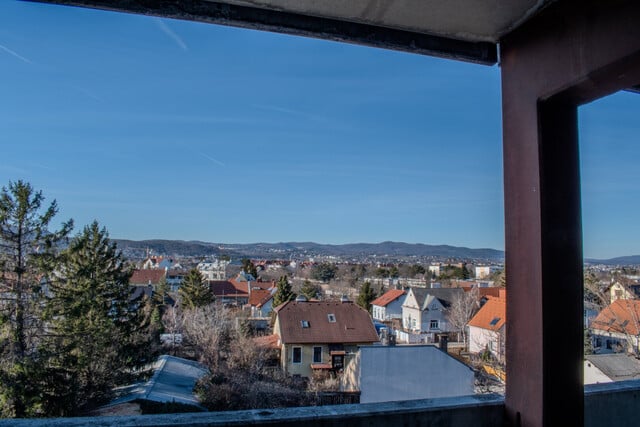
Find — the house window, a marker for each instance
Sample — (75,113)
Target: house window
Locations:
(434,324)
(413,323)
(297,354)
(304,323)
(317,354)
(332,318)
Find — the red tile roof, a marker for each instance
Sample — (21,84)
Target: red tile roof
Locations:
(147,276)
(259,297)
(388,297)
(351,324)
(622,315)
(491,316)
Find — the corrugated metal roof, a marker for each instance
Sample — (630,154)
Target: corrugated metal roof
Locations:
(173,381)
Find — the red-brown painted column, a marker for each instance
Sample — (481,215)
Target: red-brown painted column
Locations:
(570,54)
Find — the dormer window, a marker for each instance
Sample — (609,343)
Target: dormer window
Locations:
(494,321)
(332,318)
(304,323)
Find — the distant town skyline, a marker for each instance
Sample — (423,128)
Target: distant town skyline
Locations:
(166,129)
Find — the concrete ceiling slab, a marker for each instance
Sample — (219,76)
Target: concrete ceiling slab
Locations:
(467,30)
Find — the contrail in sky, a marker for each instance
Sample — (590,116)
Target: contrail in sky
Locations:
(168,31)
(15,54)
(213,160)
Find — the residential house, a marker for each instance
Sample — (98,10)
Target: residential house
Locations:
(261,301)
(147,277)
(213,270)
(484,293)
(320,335)
(424,311)
(174,278)
(483,271)
(388,306)
(384,373)
(617,327)
(605,368)
(230,292)
(620,290)
(237,292)
(487,328)
(158,262)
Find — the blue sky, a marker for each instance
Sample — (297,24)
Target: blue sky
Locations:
(168,129)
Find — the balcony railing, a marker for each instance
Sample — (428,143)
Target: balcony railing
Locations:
(609,404)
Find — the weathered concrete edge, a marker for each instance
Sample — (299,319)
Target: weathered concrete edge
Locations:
(467,407)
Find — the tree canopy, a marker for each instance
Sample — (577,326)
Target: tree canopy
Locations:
(195,291)
(96,335)
(366,296)
(28,253)
(284,292)
(324,271)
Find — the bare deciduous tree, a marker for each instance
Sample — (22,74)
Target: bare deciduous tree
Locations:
(463,307)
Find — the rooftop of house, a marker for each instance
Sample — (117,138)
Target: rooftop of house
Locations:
(147,276)
(618,366)
(329,322)
(424,296)
(388,297)
(622,316)
(259,297)
(492,316)
(222,288)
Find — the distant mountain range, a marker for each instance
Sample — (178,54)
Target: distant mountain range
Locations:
(622,260)
(394,250)
(138,249)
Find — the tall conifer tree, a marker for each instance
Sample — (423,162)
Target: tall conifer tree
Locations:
(195,291)
(28,249)
(366,296)
(284,292)
(97,335)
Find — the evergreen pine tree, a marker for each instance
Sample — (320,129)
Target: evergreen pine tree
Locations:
(195,291)
(28,248)
(284,292)
(309,290)
(366,295)
(96,336)
(159,303)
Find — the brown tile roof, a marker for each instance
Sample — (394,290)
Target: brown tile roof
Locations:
(228,288)
(491,316)
(352,324)
(388,297)
(146,276)
(258,297)
(622,315)
(261,284)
